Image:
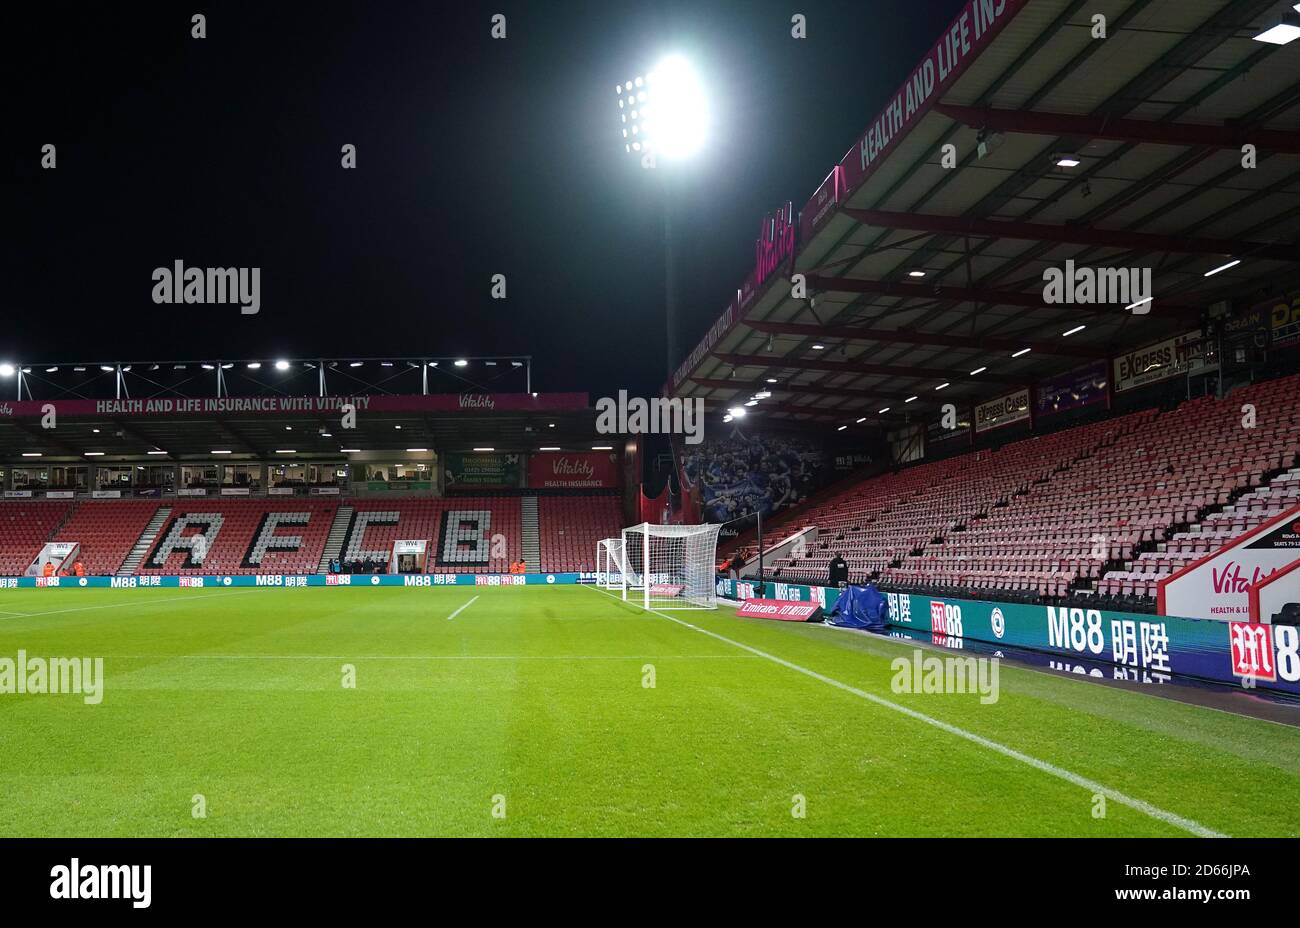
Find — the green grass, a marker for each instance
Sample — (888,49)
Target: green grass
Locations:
(535,694)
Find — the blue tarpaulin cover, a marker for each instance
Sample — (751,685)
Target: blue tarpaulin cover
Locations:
(861,607)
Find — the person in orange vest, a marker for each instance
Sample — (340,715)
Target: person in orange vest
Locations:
(48,569)
(78,569)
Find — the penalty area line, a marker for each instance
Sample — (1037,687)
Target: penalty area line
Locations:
(461,609)
(1146,808)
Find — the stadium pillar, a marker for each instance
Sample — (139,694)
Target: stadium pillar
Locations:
(670,279)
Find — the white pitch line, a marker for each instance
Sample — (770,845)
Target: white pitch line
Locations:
(2,612)
(461,609)
(443,657)
(140,603)
(1146,808)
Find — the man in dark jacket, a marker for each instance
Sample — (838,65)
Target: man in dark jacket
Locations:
(839,570)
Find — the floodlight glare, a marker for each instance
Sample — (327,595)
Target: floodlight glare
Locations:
(737,412)
(6,370)
(673,109)
(281,365)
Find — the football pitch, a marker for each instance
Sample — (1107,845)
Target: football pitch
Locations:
(563,711)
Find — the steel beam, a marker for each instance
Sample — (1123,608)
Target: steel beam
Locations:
(975,341)
(1072,235)
(1121,130)
(853,367)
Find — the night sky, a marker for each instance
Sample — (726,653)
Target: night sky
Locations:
(475,157)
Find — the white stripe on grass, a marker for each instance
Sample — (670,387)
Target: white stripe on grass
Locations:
(138,603)
(462,609)
(1146,808)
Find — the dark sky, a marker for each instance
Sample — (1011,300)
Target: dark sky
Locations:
(475,157)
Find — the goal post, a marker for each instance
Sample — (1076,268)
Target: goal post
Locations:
(670,566)
(610,563)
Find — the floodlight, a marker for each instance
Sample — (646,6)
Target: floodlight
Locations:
(737,412)
(461,362)
(6,370)
(254,365)
(106,368)
(282,365)
(671,111)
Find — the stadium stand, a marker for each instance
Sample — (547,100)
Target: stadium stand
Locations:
(245,536)
(458,530)
(106,531)
(570,528)
(1104,509)
(24,527)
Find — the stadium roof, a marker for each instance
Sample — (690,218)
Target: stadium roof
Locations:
(287,410)
(921,274)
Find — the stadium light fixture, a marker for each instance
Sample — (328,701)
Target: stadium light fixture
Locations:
(349,451)
(772,380)
(978,370)
(550,448)
(911,399)
(1067,161)
(106,368)
(1073,331)
(355,364)
(208,367)
(752,403)
(285,451)
(1138,303)
(155,452)
(818,347)
(398,427)
(1223,267)
(726,418)
(883,411)
(737,412)
(550,425)
(841,428)
(941,386)
(433,363)
(31,454)
(602,447)
(94,454)
(282,365)
(1022,351)
(461,362)
(96,431)
(916,273)
(664,112)
(1282,31)
(422,450)
(226,367)
(6,370)
(862,420)
(52,370)
(254,365)
(485,449)
(762,394)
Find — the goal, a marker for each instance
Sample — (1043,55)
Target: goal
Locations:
(610,563)
(670,566)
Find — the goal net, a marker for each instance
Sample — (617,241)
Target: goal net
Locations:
(610,563)
(670,566)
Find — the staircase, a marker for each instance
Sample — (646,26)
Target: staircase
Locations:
(532,542)
(144,542)
(338,535)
